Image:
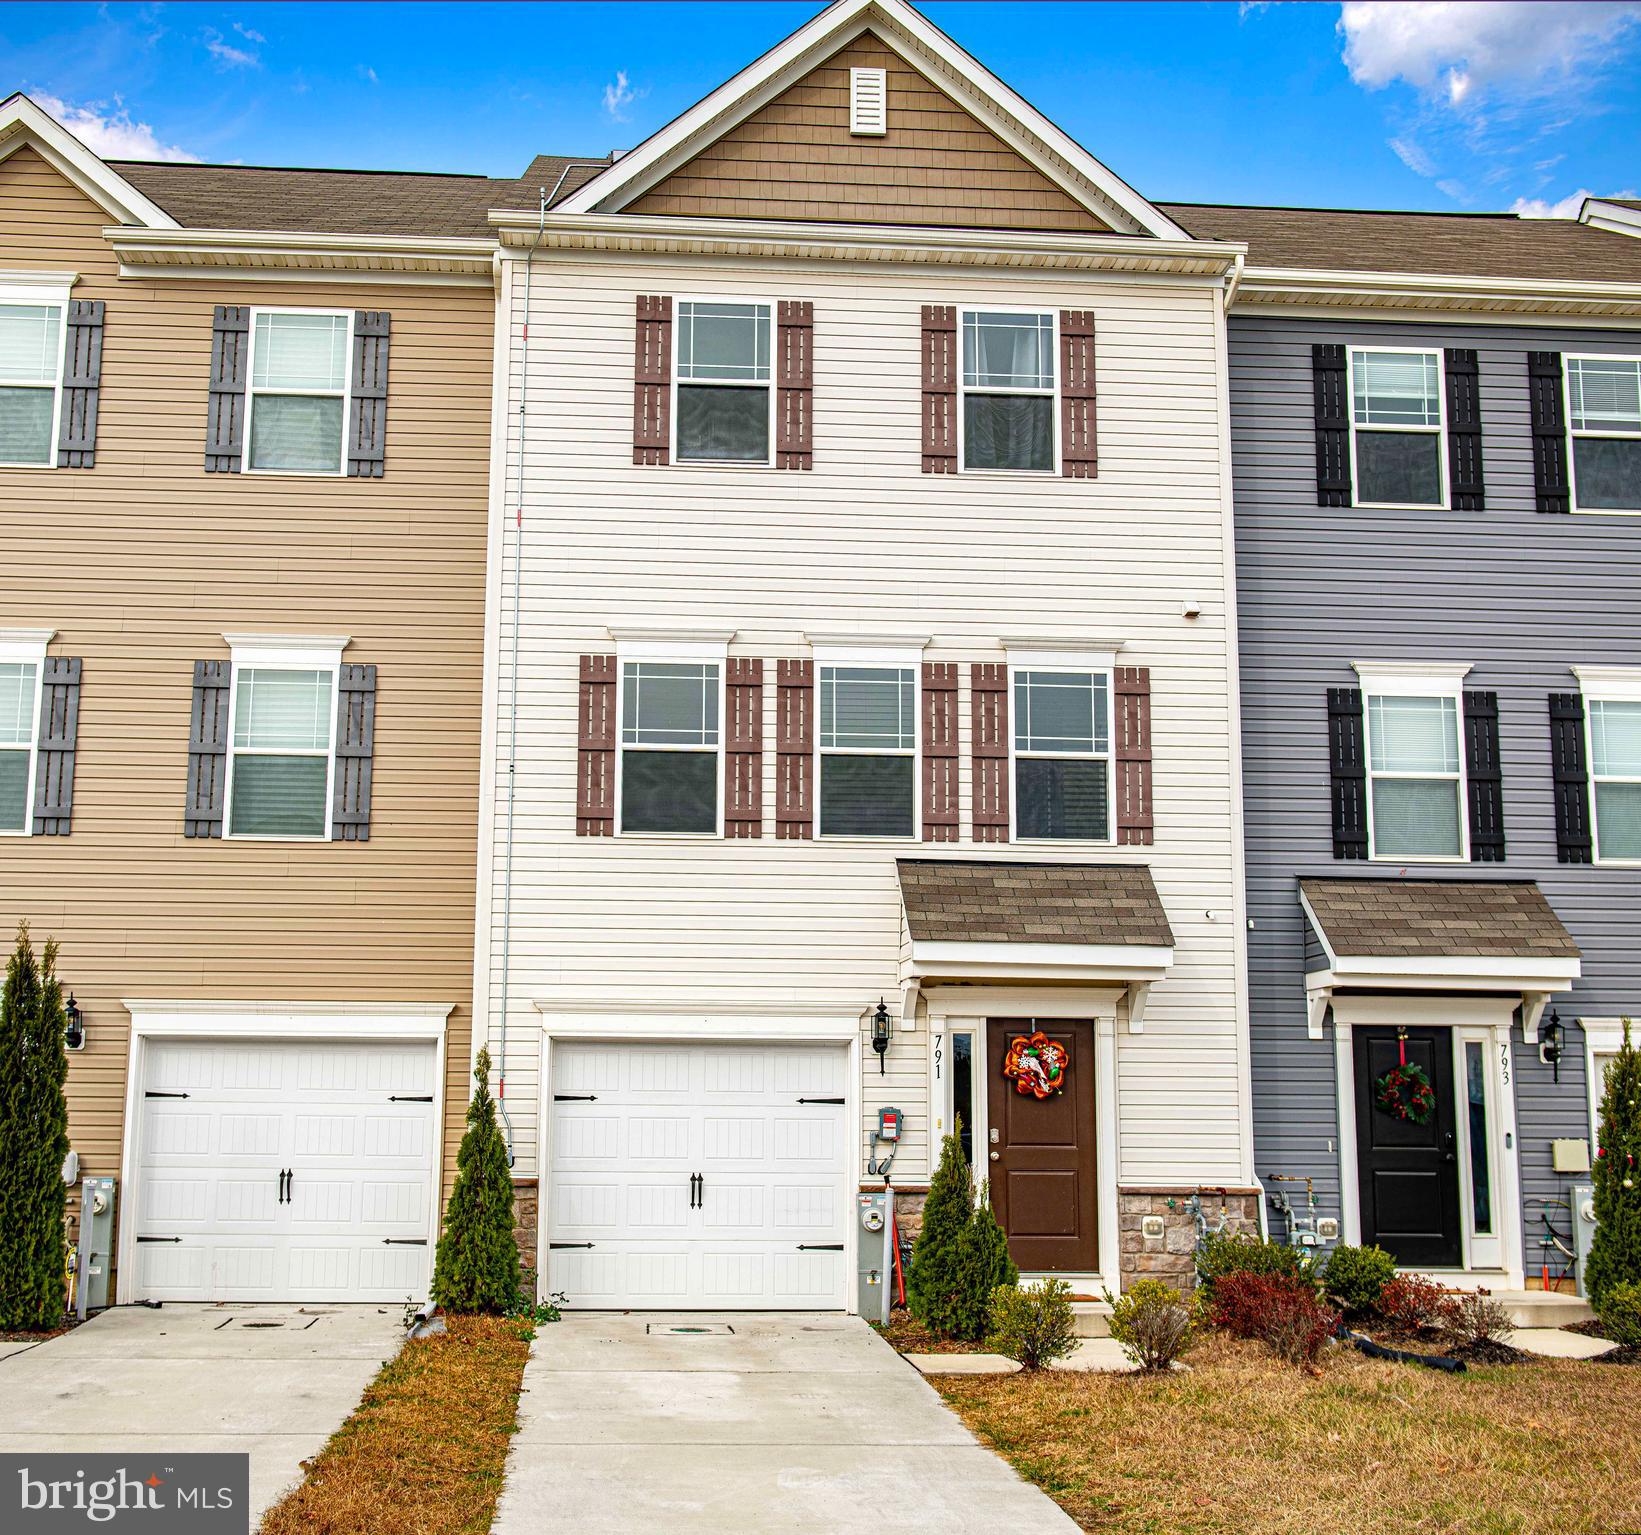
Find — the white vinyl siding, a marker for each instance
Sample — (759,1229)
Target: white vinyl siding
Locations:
(298,398)
(32,338)
(1604,431)
(1398,444)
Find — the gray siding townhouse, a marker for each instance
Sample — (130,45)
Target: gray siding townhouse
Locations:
(1437,463)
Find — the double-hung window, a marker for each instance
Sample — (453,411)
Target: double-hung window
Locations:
(31,373)
(21,657)
(1416,790)
(282,743)
(1062,753)
(1007,399)
(867,749)
(298,400)
(1604,419)
(1396,428)
(671,766)
(1614,725)
(725,398)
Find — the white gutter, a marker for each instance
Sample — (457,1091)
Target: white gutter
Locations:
(1424,290)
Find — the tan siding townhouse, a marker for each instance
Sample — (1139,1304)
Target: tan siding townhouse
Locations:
(243,486)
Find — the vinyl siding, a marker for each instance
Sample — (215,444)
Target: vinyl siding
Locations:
(142,563)
(864,542)
(1520,595)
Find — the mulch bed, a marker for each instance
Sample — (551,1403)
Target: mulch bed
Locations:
(908,1336)
(68,1324)
(1432,1340)
(1628,1353)
(1589,1329)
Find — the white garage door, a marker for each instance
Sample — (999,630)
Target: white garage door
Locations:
(285,1171)
(699,1176)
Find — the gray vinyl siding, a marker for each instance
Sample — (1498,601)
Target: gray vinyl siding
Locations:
(1519,594)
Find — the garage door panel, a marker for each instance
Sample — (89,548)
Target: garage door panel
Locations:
(399,1203)
(399,1137)
(170,1269)
(244,1134)
(178,1133)
(583,1139)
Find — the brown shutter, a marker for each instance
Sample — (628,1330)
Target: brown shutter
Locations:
(82,378)
(59,732)
(743,749)
(595,749)
(989,686)
(367,431)
(939,751)
(652,381)
(225,417)
(939,389)
(208,750)
(1134,756)
(794,749)
(355,749)
(795,386)
(1079,456)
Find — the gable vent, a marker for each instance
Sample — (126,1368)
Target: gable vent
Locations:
(869,101)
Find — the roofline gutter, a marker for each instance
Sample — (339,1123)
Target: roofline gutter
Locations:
(1277,286)
(160,252)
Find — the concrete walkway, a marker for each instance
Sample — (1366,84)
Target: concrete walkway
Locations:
(788,1423)
(275,1381)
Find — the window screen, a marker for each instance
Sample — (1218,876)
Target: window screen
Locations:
(30,358)
(18,713)
(1397,413)
(1415,773)
(868,745)
(280,767)
(669,746)
(1604,414)
(299,375)
(1008,391)
(1615,766)
(1062,755)
(722,360)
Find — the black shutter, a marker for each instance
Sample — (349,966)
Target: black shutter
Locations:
(1328,364)
(1484,775)
(82,375)
(367,432)
(1348,766)
(1572,778)
(355,742)
(59,729)
(1549,431)
(208,750)
(225,419)
(1464,471)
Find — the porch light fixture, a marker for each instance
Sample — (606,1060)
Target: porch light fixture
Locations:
(74,1033)
(881,1030)
(1549,1043)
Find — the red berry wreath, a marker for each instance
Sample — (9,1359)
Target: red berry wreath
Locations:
(1405,1093)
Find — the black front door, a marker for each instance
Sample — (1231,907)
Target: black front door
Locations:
(1409,1172)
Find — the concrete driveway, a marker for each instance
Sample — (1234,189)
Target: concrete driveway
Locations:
(796,1423)
(276,1381)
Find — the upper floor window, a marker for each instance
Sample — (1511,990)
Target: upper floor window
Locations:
(868,750)
(31,369)
(298,400)
(1604,419)
(280,757)
(19,731)
(670,765)
(1062,754)
(725,399)
(1416,792)
(1615,774)
(1007,399)
(1396,428)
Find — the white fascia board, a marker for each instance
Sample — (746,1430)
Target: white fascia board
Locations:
(1373,1011)
(22,122)
(1449,972)
(1612,217)
(1015,120)
(1317,928)
(1272,288)
(278,254)
(948,960)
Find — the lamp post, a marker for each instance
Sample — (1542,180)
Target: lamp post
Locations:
(881,1030)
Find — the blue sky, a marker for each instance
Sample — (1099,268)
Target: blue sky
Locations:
(1375,103)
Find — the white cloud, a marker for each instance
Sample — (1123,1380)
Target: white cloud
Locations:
(228,56)
(1566,208)
(109,131)
(1464,50)
(618,96)
(249,36)
(1413,157)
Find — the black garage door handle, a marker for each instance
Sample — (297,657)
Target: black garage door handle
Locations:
(820,1247)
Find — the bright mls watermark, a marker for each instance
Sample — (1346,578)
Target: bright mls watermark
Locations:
(138,1494)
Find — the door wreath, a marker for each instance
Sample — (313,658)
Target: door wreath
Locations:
(1036,1064)
(1404,1092)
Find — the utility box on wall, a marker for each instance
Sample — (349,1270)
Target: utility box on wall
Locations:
(875,1265)
(94,1261)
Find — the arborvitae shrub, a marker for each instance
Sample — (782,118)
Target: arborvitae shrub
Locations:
(1615,1254)
(476,1268)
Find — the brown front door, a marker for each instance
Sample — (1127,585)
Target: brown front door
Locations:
(1041,1152)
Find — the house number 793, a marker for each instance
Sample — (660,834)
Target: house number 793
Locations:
(1504,1062)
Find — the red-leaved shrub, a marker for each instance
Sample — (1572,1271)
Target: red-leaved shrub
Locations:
(1410,1302)
(1277,1309)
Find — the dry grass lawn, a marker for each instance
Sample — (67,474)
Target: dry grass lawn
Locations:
(424,1450)
(1243,1445)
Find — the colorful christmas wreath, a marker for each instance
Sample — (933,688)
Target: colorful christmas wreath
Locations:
(1405,1092)
(1036,1064)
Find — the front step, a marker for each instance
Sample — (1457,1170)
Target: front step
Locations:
(1543,1308)
(1093,1318)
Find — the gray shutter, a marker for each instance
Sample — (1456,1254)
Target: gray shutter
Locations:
(59,728)
(82,374)
(230,361)
(367,432)
(208,750)
(355,742)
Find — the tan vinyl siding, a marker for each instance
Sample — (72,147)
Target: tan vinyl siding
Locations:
(796,159)
(142,563)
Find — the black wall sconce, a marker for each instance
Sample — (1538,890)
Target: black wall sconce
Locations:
(881,1030)
(1550,1043)
(74,1032)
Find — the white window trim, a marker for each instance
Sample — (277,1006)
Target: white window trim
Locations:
(345,393)
(1440,431)
(1100,660)
(689,646)
(963,391)
(1434,680)
(906,657)
(28,646)
(1615,685)
(678,301)
(281,652)
(1603,1036)
(42,295)
(1483,1249)
(1572,434)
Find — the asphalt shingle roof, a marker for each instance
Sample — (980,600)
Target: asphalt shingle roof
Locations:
(952,900)
(1437,918)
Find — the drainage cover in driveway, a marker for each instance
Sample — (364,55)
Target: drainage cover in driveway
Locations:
(689,1329)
